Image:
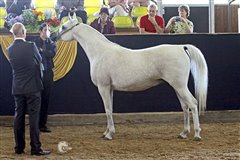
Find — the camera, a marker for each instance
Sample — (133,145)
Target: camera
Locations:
(177,19)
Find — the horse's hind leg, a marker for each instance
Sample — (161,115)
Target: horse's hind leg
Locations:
(186,127)
(189,102)
(107,97)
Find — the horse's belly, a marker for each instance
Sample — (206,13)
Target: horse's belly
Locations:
(137,86)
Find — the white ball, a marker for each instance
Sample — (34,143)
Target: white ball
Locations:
(63,147)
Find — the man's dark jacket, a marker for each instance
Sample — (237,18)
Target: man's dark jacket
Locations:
(25,61)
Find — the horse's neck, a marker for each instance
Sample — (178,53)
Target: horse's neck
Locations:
(91,41)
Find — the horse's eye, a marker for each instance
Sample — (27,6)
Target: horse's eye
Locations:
(63,27)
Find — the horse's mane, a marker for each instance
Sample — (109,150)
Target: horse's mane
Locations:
(94,33)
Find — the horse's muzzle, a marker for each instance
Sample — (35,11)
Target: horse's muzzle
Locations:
(55,36)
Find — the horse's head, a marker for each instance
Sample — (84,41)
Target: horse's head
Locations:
(65,31)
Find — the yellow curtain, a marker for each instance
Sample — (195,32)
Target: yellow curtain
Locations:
(63,61)
(5,41)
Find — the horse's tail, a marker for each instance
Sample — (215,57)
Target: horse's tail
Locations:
(199,72)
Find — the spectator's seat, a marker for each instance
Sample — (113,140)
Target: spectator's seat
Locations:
(138,21)
(91,19)
(2,21)
(65,19)
(44,3)
(51,11)
(92,3)
(3,14)
(45,6)
(91,10)
(92,6)
(138,11)
(123,22)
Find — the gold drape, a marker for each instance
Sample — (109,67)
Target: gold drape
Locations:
(5,41)
(63,61)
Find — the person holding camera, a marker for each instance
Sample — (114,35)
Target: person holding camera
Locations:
(151,23)
(72,6)
(180,24)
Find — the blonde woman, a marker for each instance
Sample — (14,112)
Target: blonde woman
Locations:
(180,24)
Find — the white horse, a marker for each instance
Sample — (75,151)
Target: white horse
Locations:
(114,67)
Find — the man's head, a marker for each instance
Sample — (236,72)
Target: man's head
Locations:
(18,30)
(44,31)
(152,10)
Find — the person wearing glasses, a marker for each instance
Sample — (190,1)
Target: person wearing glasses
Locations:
(180,24)
(151,23)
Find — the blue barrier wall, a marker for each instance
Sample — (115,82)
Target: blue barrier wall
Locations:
(75,93)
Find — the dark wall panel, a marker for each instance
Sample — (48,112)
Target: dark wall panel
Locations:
(75,93)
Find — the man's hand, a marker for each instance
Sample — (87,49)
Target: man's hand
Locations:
(152,20)
(63,8)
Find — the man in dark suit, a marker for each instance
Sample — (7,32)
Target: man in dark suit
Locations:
(47,50)
(26,87)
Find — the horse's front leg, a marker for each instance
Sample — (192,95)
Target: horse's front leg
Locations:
(107,96)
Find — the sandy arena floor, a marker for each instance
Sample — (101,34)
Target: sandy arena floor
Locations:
(135,141)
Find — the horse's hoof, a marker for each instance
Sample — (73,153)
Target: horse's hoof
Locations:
(103,136)
(182,136)
(197,138)
(106,138)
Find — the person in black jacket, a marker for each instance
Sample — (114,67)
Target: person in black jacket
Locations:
(25,61)
(2,3)
(47,49)
(16,7)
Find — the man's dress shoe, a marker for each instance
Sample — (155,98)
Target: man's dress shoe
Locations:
(19,152)
(41,153)
(45,129)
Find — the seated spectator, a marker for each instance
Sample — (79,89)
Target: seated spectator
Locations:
(2,3)
(137,3)
(71,6)
(180,24)
(118,8)
(151,23)
(16,7)
(103,24)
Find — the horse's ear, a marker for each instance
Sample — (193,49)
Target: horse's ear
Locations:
(69,16)
(74,16)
